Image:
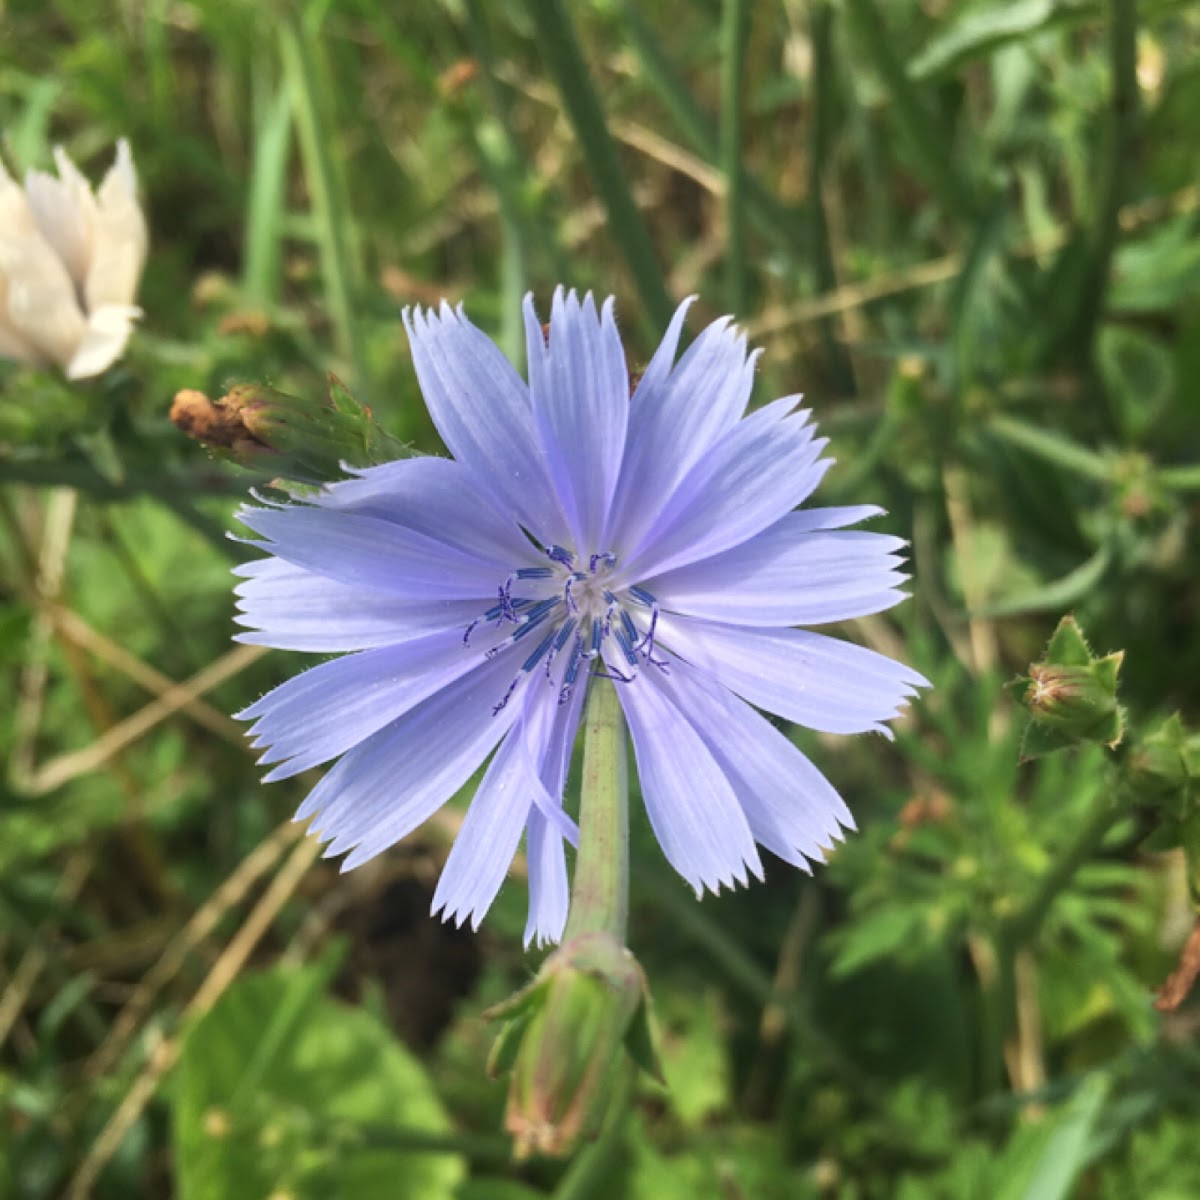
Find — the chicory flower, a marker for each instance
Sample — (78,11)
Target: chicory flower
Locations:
(577,531)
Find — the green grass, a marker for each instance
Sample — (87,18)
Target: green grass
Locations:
(971,240)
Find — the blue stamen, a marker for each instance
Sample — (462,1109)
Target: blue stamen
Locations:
(605,557)
(560,555)
(643,596)
(534,618)
(536,657)
(630,628)
(572,672)
(626,646)
(572,580)
(528,623)
(564,634)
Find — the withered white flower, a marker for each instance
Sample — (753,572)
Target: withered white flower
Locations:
(70,261)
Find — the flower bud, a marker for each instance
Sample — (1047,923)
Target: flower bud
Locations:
(305,440)
(1164,766)
(1072,695)
(566,1039)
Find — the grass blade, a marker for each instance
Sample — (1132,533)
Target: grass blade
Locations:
(566,65)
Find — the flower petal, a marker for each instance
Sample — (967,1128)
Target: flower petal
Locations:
(676,417)
(119,241)
(369,552)
(481,408)
(579,389)
(398,778)
(326,710)
(491,832)
(791,808)
(13,345)
(42,309)
(761,470)
(441,499)
(548,888)
(820,682)
(103,341)
(292,609)
(511,792)
(692,806)
(64,210)
(785,576)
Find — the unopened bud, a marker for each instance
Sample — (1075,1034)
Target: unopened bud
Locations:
(1072,695)
(1075,700)
(569,1037)
(1164,765)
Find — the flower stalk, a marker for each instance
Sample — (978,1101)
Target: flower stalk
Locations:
(567,1032)
(600,891)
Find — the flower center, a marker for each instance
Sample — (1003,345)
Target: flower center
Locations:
(573,621)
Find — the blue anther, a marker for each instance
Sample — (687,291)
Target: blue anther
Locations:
(536,657)
(640,594)
(560,555)
(626,646)
(630,628)
(560,640)
(568,627)
(605,557)
(536,615)
(535,573)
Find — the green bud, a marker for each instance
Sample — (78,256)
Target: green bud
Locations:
(1164,765)
(566,1040)
(1072,695)
(304,440)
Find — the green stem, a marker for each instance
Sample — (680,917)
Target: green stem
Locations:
(263,247)
(1024,925)
(735,30)
(773,219)
(566,64)
(501,159)
(1052,448)
(926,139)
(600,890)
(821,120)
(479,1147)
(331,209)
(1117,159)
(1180,479)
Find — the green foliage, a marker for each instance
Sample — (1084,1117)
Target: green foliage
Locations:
(279,1087)
(969,232)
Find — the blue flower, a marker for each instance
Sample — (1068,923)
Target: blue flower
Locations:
(577,531)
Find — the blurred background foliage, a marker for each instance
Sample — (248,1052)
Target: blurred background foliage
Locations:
(968,230)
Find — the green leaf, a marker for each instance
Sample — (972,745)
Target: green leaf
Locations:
(876,936)
(496,1189)
(1139,375)
(273,1086)
(1043,1161)
(982,30)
